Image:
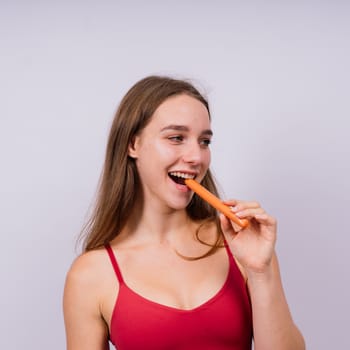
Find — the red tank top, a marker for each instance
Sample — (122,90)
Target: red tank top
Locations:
(224,322)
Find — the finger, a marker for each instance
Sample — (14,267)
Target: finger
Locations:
(249,213)
(265,219)
(231,202)
(227,227)
(225,223)
(241,205)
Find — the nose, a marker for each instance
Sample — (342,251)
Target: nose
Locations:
(193,153)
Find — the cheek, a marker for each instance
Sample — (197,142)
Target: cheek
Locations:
(162,152)
(156,152)
(207,158)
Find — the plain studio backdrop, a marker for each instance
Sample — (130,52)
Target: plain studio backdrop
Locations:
(277,76)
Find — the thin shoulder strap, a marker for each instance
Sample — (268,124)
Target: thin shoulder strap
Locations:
(229,253)
(233,262)
(114,263)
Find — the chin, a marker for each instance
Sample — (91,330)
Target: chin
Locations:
(178,206)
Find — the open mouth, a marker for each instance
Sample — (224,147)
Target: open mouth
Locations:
(180,178)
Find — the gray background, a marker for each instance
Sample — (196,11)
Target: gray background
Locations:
(277,76)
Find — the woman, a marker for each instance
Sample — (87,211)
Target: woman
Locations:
(160,268)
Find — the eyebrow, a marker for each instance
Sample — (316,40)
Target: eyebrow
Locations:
(185,128)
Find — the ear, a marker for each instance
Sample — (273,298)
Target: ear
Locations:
(132,149)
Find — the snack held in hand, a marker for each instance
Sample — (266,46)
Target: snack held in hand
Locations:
(215,202)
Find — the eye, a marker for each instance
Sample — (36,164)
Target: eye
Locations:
(176,138)
(205,142)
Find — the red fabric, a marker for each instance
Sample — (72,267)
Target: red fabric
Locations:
(223,322)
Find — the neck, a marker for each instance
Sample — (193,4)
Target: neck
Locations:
(158,225)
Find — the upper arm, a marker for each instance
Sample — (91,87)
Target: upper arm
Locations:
(84,324)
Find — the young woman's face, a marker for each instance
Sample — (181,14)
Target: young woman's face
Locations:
(174,145)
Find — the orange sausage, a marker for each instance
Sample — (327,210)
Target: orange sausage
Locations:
(215,202)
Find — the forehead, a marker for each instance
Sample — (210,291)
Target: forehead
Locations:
(181,109)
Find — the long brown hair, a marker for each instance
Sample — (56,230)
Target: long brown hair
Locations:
(119,183)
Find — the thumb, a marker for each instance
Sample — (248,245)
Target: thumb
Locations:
(227,228)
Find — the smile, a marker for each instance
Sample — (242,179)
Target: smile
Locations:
(179,177)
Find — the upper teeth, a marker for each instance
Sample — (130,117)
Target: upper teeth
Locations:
(183,175)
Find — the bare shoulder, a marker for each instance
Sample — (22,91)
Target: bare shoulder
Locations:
(90,273)
(85,269)
(85,266)
(84,294)
(84,276)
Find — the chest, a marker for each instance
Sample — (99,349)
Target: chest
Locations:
(222,321)
(174,281)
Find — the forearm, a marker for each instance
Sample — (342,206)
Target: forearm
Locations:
(273,325)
